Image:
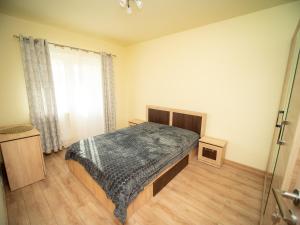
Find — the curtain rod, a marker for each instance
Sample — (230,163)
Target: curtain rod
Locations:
(67,46)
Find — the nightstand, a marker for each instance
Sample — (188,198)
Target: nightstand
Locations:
(134,122)
(23,158)
(212,151)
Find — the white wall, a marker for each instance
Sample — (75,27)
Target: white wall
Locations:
(233,70)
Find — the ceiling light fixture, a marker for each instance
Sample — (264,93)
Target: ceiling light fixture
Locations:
(126,4)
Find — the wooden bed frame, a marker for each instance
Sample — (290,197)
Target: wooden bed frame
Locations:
(174,117)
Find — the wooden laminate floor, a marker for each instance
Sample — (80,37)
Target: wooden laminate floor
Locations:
(199,195)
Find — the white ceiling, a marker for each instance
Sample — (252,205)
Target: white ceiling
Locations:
(105,18)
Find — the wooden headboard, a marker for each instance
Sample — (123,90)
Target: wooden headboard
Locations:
(189,120)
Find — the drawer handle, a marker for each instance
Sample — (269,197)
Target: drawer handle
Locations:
(282,113)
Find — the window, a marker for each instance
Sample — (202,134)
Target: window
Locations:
(79,96)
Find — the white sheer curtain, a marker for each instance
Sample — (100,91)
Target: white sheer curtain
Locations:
(79,95)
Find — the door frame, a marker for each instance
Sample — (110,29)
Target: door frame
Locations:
(293,168)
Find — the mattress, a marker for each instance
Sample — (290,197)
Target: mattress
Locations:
(125,161)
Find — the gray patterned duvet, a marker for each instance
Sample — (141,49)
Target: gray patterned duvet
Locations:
(125,161)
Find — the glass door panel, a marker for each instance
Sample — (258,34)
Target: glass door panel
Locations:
(281,117)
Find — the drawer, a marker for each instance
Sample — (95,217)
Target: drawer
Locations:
(210,154)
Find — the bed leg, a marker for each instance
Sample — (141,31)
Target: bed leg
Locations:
(193,154)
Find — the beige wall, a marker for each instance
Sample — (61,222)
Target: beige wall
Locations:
(232,70)
(13,98)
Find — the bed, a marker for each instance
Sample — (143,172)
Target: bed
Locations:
(126,168)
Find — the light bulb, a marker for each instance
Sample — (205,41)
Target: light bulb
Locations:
(129,10)
(123,3)
(139,3)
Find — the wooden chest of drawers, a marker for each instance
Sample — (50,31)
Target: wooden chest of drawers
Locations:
(23,158)
(212,151)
